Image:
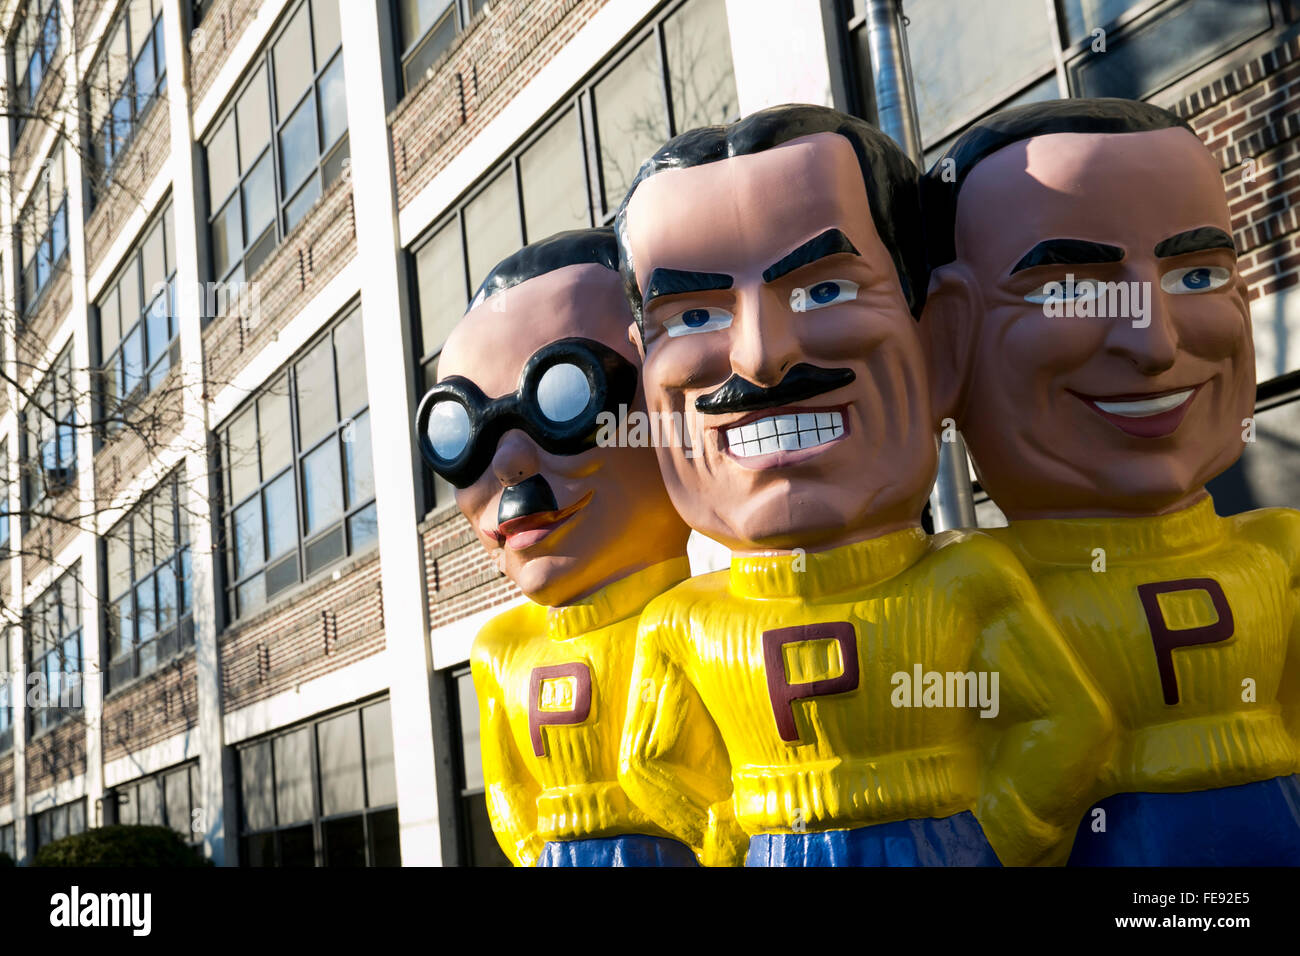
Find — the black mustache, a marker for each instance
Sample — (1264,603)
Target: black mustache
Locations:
(803,381)
(531,496)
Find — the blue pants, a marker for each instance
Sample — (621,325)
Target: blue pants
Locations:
(1254,824)
(631,850)
(957,840)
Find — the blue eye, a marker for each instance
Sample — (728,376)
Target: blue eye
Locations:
(1195,279)
(694,321)
(822,294)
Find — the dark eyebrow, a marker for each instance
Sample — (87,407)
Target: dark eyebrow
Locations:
(829,243)
(1068,252)
(678,281)
(1195,240)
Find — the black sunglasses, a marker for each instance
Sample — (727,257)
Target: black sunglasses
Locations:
(563,388)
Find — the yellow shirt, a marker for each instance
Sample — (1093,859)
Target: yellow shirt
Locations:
(1188,623)
(745,644)
(552,687)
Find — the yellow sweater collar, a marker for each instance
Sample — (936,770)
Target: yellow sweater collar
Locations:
(621,599)
(1073,540)
(851,567)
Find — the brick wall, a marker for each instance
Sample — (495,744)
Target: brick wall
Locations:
(483,70)
(7,779)
(313,253)
(1249,119)
(56,756)
(154,424)
(131,175)
(48,535)
(34,333)
(459,577)
(213,39)
(330,625)
(151,710)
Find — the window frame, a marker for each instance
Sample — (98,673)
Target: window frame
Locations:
(338,152)
(122,794)
(22,95)
(7,679)
(100,166)
(35,473)
(288,375)
(176,640)
(318,819)
(39,818)
(468,850)
(43,719)
(114,407)
(54,214)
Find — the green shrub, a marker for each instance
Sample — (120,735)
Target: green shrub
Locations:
(6,860)
(120,845)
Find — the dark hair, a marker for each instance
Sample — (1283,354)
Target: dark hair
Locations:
(890,178)
(573,248)
(987,136)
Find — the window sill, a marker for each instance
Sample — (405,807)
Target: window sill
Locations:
(121,689)
(78,714)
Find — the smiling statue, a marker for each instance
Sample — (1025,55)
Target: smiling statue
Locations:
(586,532)
(775,268)
(1094,348)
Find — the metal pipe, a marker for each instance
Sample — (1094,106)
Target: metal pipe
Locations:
(952,504)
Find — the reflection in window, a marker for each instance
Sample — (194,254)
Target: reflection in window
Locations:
(553,180)
(8,684)
(631,118)
(43,230)
(147,563)
(32,50)
(49,453)
(59,822)
(52,624)
(166,799)
(699,65)
(323,794)
(298,471)
(126,78)
(138,331)
(281,144)
(479,844)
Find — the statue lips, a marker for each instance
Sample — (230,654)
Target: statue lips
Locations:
(1143,415)
(526,530)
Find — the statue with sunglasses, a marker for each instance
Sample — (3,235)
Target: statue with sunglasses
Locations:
(587,533)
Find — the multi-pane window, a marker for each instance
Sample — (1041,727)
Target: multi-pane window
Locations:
(126,77)
(52,624)
(147,567)
(479,846)
(673,75)
(425,29)
(323,794)
(138,329)
(8,684)
(282,142)
(4,500)
(59,822)
(166,799)
(49,453)
(298,475)
(34,45)
(43,230)
(7,845)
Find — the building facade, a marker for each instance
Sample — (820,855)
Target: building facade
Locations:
(237,234)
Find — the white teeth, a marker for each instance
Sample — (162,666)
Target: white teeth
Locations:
(1145,407)
(784,433)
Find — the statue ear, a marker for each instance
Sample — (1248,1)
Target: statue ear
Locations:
(950,326)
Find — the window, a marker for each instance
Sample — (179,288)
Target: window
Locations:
(59,822)
(166,799)
(674,74)
(478,842)
(138,331)
(128,74)
(322,794)
(49,453)
(298,474)
(281,144)
(34,45)
(52,624)
(425,29)
(7,846)
(43,231)
(8,681)
(147,566)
